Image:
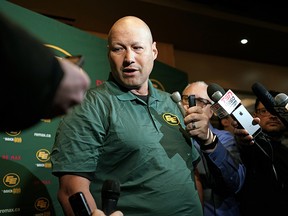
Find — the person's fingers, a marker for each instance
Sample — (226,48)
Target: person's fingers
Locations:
(71,89)
(98,212)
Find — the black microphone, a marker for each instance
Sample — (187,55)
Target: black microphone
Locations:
(264,97)
(270,103)
(176,97)
(227,103)
(110,194)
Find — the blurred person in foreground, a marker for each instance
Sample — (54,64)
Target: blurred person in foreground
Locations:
(35,84)
(221,170)
(265,190)
(129,131)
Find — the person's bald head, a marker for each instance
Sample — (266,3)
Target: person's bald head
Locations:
(129,25)
(131,53)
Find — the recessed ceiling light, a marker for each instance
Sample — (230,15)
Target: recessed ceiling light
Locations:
(244,41)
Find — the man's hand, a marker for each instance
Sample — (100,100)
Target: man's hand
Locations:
(241,135)
(197,124)
(98,212)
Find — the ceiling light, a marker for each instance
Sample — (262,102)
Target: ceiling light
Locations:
(244,41)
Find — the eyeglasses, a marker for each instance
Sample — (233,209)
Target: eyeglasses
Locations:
(263,112)
(199,101)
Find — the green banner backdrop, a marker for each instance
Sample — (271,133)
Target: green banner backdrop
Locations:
(27,186)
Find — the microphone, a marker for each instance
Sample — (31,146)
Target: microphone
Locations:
(216,92)
(110,194)
(281,107)
(227,103)
(176,97)
(265,97)
(270,103)
(281,100)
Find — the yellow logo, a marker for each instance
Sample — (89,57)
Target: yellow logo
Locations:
(13,133)
(11,180)
(43,155)
(171,119)
(42,204)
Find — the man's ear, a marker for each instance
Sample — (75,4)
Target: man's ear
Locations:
(154,50)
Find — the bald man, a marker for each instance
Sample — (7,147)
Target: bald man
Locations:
(128,131)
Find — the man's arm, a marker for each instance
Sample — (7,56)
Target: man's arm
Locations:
(71,184)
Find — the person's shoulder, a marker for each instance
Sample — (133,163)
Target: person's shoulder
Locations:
(99,89)
(162,94)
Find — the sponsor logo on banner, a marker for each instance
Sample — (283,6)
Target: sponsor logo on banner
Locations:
(43,155)
(11,180)
(44,135)
(13,137)
(42,204)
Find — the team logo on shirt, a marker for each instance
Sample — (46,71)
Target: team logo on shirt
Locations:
(171,119)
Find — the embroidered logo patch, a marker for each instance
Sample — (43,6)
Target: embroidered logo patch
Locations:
(171,119)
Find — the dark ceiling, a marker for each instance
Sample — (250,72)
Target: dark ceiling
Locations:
(206,26)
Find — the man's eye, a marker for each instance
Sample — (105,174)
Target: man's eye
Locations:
(117,49)
(137,48)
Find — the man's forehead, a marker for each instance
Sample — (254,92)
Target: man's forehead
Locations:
(198,92)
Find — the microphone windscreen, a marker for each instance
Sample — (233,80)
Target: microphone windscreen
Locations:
(110,194)
(281,99)
(176,97)
(111,189)
(215,91)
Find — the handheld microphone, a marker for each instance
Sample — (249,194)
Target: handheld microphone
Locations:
(110,194)
(270,103)
(281,100)
(229,104)
(281,107)
(216,92)
(264,96)
(176,97)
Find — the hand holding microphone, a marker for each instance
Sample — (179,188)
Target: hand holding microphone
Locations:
(110,194)
(195,119)
(227,103)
